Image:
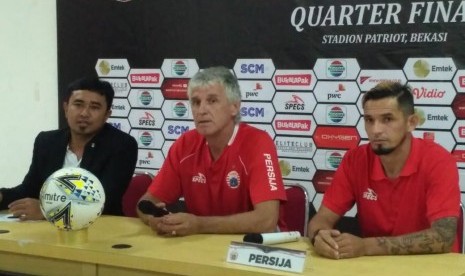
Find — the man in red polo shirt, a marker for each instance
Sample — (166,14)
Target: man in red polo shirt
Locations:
(227,171)
(406,189)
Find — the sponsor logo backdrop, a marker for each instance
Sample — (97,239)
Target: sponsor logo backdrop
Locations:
(303,67)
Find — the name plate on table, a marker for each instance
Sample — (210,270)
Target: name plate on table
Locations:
(258,255)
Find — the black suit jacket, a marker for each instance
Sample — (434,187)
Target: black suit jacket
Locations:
(111,156)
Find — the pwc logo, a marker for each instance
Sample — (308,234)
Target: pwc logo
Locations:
(336,137)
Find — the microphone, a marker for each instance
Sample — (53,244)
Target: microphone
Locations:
(272,238)
(148,208)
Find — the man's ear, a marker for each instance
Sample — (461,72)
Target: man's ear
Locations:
(413,121)
(108,114)
(235,108)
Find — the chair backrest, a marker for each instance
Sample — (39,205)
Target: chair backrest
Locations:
(136,189)
(296,208)
(461,229)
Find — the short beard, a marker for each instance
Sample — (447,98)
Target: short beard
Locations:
(385,151)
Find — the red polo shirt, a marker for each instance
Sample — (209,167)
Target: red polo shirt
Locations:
(246,173)
(426,190)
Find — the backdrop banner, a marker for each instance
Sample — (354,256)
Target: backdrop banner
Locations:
(303,67)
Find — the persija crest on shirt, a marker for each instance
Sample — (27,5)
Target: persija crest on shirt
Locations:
(233,180)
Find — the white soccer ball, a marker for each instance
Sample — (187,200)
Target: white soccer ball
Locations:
(72,198)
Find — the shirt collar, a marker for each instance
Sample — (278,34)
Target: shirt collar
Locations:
(410,167)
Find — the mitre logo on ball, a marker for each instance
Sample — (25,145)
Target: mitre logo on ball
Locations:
(72,198)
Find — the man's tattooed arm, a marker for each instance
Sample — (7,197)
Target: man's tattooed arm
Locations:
(438,239)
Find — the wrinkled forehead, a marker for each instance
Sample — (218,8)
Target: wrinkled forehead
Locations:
(211,89)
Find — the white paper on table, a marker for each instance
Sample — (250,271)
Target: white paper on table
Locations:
(8,218)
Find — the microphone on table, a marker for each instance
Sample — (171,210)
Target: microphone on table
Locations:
(272,238)
(148,208)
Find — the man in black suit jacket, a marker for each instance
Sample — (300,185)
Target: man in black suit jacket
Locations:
(88,142)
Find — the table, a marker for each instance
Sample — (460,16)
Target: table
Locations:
(35,248)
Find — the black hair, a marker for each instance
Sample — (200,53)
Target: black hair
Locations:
(93,84)
(390,89)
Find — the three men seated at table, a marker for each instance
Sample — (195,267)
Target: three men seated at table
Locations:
(405,188)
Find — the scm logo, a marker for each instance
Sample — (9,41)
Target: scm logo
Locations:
(253,68)
(177,129)
(252,112)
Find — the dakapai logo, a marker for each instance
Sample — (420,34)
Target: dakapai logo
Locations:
(180,109)
(145,78)
(179,68)
(334,160)
(199,178)
(145,138)
(363,79)
(104,67)
(295,104)
(375,80)
(147,120)
(293,125)
(337,68)
(145,97)
(174,88)
(336,114)
(293,79)
(421,68)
